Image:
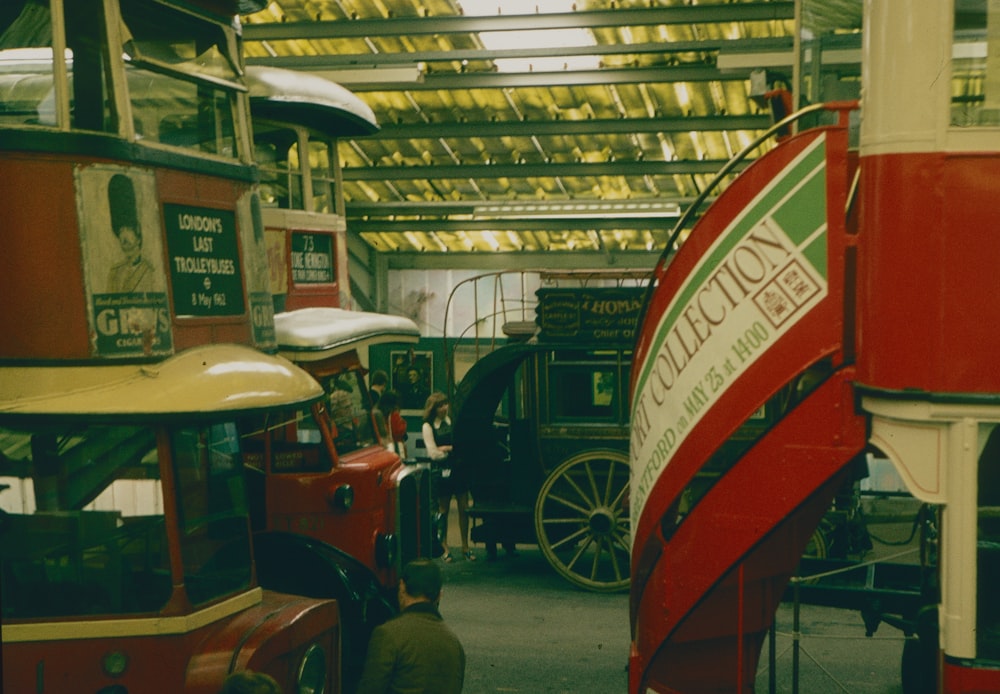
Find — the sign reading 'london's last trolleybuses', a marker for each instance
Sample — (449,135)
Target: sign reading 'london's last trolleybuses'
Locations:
(204,261)
(761,276)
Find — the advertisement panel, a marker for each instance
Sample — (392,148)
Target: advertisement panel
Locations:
(761,276)
(120,237)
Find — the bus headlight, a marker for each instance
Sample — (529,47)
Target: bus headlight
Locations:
(341,497)
(312,672)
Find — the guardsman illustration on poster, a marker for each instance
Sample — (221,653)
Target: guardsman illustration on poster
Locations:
(126,283)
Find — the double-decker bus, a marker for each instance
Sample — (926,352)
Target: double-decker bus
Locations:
(847,291)
(139,361)
(339,482)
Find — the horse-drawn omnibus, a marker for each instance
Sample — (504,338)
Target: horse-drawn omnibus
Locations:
(855,278)
(541,419)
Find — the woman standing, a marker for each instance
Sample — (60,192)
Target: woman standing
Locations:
(438,438)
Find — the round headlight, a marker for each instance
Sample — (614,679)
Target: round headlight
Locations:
(341,496)
(312,672)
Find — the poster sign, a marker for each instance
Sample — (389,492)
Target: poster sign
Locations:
(121,245)
(595,314)
(204,261)
(763,274)
(312,258)
(413,378)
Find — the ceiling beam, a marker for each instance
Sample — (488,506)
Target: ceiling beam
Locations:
(566,260)
(556,127)
(538,170)
(362,80)
(519,208)
(355,60)
(550,224)
(783,44)
(453,24)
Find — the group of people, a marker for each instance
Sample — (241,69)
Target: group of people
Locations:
(437,433)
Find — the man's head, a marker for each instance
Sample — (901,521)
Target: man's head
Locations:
(379,380)
(419,582)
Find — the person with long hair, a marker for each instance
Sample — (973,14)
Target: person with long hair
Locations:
(453,481)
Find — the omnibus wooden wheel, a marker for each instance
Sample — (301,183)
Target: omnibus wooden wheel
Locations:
(582,522)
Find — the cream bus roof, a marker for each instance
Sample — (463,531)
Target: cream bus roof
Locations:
(202,380)
(307,99)
(311,334)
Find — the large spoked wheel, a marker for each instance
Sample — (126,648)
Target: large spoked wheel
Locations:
(582,522)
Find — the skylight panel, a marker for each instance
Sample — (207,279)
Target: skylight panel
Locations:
(542,38)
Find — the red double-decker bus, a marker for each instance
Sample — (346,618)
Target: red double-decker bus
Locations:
(834,300)
(336,480)
(138,361)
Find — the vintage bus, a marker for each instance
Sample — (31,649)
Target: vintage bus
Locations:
(140,362)
(847,287)
(352,491)
(125,545)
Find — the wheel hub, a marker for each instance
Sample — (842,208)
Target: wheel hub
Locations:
(602,521)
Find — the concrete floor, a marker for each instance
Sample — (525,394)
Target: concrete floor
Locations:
(527,630)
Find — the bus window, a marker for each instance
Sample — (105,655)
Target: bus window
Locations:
(584,386)
(182,79)
(215,529)
(975,79)
(350,411)
(274,176)
(322,160)
(26,79)
(277,151)
(988,550)
(82,524)
(296,443)
(295,182)
(91,103)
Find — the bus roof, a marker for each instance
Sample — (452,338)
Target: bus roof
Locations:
(311,334)
(308,99)
(202,380)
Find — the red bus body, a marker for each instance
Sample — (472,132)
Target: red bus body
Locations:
(139,321)
(361,497)
(829,302)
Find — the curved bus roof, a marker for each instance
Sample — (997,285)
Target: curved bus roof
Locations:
(311,334)
(284,95)
(211,379)
(310,100)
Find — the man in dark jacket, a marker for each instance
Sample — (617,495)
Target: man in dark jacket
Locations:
(415,652)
